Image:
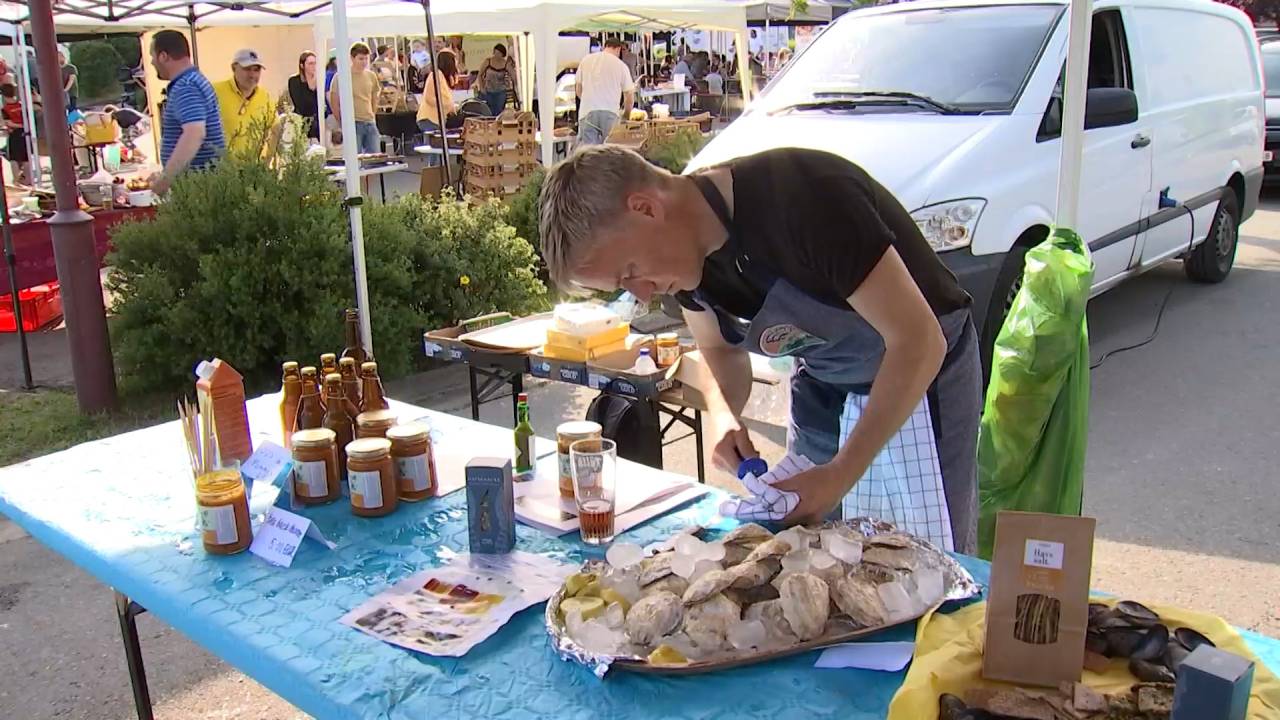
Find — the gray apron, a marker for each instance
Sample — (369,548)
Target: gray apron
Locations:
(838,352)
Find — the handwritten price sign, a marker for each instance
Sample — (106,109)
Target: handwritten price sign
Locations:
(278,539)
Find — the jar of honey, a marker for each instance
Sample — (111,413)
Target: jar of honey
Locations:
(668,349)
(566,435)
(372,476)
(224,512)
(415,464)
(317,475)
(375,423)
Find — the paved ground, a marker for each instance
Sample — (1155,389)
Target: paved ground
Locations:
(1181,478)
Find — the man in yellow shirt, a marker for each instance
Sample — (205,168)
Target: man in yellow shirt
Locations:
(364,94)
(246,108)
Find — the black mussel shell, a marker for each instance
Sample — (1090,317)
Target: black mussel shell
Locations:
(1153,644)
(1121,642)
(1150,672)
(1137,613)
(1095,642)
(1175,655)
(1190,639)
(951,707)
(1097,611)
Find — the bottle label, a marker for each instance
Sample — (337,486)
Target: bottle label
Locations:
(524,461)
(414,475)
(667,355)
(366,488)
(219,524)
(310,478)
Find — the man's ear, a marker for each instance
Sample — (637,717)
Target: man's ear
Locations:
(646,203)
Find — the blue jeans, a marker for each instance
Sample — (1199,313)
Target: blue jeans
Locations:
(429,128)
(496,100)
(594,128)
(368,138)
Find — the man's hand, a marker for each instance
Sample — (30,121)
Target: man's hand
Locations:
(160,183)
(734,445)
(820,489)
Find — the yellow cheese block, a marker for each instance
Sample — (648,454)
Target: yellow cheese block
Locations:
(568,354)
(562,339)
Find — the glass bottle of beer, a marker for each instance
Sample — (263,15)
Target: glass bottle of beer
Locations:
(350,373)
(311,406)
(337,417)
(328,365)
(524,440)
(371,395)
(355,346)
(290,396)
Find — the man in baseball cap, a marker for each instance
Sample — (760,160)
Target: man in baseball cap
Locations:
(246,108)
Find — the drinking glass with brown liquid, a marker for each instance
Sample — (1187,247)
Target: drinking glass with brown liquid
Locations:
(594,463)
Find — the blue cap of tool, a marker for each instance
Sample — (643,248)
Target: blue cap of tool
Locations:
(754,465)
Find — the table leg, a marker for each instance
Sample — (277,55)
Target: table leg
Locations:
(126,611)
(382,184)
(475,397)
(697,441)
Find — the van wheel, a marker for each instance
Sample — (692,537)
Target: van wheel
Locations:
(1211,262)
(1006,288)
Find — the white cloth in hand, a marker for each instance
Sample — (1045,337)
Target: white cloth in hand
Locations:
(767,502)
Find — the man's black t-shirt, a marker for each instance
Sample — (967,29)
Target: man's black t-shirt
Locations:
(821,223)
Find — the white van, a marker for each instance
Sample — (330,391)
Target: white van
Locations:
(955,107)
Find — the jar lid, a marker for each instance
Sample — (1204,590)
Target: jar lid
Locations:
(376,417)
(409,431)
(315,437)
(368,447)
(668,337)
(579,428)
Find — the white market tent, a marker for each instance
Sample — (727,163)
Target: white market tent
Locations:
(780,12)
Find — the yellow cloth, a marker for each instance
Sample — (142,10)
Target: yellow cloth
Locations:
(364,92)
(948,659)
(427,109)
(244,120)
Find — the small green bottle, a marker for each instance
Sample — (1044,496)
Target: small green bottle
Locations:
(524,439)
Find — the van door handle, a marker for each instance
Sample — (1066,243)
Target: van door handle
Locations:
(1140,140)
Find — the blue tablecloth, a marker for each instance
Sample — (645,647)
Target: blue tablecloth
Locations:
(121,509)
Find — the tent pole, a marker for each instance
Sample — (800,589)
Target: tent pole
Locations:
(1073,94)
(351,165)
(191,25)
(11,262)
(320,42)
(444,131)
(545,65)
(744,63)
(28,108)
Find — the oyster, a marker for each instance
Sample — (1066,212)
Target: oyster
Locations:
(892,540)
(711,583)
(749,575)
(860,600)
(653,616)
(747,598)
(655,568)
(708,622)
(891,557)
(734,553)
(805,603)
(776,627)
(772,548)
(749,534)
(874,574)
(673,584)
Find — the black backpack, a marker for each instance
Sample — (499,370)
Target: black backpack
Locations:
(627,421)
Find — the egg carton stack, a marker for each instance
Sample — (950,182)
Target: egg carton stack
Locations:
(500,154)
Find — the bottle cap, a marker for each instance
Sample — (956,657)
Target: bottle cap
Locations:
(754,465)
(644,352)
(204,370)
(522,398)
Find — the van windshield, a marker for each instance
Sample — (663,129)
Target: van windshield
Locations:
(1271,66)
(970,59)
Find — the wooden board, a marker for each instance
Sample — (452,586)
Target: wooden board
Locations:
(517,336)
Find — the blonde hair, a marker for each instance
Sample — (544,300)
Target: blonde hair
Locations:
(580,195)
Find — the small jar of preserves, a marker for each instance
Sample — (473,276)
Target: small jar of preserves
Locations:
(668,349)
(372,476)
(317,475)
(224,512)
(374,423)
(415,464)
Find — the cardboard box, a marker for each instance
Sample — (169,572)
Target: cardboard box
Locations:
(1212,685)
(566,340)
(491,506)
(571,354)
(613,372)
(443,344)
(548,368)
(1038,605)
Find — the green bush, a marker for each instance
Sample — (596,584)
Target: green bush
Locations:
(97,63)
(252,263)
(129,47)
(674,151)
(523,215)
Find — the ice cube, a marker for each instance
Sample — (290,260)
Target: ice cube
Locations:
(897,602)
(747,634)
(821,559)
(796,561)
(713,551)
(929,587)
(683,565)
(681,643)
(621,555)
(792,537)
(627,586)
(598,638)
(615,616)
(573,623)
(702,567)
(842,548)
(690,545)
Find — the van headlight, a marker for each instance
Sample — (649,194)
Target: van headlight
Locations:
(949,225)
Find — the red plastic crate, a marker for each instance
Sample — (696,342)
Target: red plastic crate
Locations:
(41,306)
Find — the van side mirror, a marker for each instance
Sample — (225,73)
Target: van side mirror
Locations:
(1109,107)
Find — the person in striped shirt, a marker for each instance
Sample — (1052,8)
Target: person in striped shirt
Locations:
(191,132)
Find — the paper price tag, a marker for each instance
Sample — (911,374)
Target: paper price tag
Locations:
(1043,554)
(281,534)
(270,463)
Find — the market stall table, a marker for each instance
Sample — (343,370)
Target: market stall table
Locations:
(121,508)
(33,244)
(679,96)
(339,174)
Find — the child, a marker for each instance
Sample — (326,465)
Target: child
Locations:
(133,125)
(13,122)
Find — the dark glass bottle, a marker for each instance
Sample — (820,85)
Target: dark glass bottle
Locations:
(350,373)
(311,407)
(355,346)
(290,397)
(338,418)
(328,364)
(371,395)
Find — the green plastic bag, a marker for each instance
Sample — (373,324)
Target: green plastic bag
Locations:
(1034,430)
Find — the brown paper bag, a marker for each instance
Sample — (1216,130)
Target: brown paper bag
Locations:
(1038,607)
